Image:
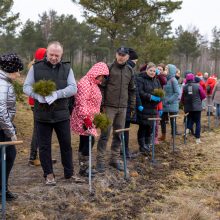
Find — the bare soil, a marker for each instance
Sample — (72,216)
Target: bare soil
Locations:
(182,185)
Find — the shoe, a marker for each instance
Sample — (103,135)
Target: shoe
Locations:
(100,167)
(117,165)
(9,196)
(144,149)
(163,137)
(85,173)
(198,141)
(50,180)
(75,179)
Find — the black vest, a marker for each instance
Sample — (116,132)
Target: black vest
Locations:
(192,100)
(57,111)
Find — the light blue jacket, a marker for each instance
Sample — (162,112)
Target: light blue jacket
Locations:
(172,91)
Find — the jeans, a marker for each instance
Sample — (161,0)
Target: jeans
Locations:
(44,136)
(117,117)
(163,122)
(10,157)
(194,117)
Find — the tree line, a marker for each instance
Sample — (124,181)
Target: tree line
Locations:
(141,24)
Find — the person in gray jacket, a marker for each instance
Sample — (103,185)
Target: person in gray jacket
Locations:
(10,65)
(52,112)
(116,89)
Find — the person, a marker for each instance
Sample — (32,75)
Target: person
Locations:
(133,59)
(146,83)
(192,97)
(10,67)
(87,104)
(52,112)
(116,89)
(216,99)
(205,77)
(33,159)
(210,84)
(170,100)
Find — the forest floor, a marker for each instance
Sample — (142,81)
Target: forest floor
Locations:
(183,185)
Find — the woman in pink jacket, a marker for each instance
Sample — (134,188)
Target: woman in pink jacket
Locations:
(87,104)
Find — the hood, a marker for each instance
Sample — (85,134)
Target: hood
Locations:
(172,70)
(97,70)
(3,75)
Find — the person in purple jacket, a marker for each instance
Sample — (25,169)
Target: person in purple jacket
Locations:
(192,97)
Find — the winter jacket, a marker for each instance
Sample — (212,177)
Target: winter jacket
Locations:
(172,91)
(146,86)
(192,97)
(210,84)
(7,105)
(216,93)
(118,86)
(162,79)
(88,99)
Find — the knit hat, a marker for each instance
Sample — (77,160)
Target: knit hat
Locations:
(132,54)
(190,77)
(40,53)
(11,63)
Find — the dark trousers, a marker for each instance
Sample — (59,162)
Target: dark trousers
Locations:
(165,117)
(34,143)
(84,144)
(44,136)
(145,133)
(126,136)
(10,158)
(194,117)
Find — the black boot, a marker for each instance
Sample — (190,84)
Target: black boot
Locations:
(9,196)
(143,148)
(84,166)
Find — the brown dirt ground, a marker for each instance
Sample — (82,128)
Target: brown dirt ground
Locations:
(182,185)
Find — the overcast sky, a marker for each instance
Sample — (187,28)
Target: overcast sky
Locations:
(204,14)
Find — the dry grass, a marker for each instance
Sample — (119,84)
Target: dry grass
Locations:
(182,186)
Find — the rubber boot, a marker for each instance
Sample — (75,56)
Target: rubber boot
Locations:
(163,137)
(84,166)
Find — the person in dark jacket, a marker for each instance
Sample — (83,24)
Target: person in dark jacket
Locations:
(192,97)
(10,65)
(116,89)
(52,112)
(146,83)
(133,58)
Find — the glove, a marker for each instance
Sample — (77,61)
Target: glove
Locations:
(51,98)
(160,113)
(87,123)
(14,138)
(140,108)
(155,98)
(41,99)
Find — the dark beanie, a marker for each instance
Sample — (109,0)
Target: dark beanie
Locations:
(11,63)
(132,54)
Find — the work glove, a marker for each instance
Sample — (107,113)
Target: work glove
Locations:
(87,123)
(140,108)
(51,98)
(41,99)
(155,98)
(14,138)
(160,113)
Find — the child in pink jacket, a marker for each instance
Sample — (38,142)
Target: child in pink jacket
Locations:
(87,104)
